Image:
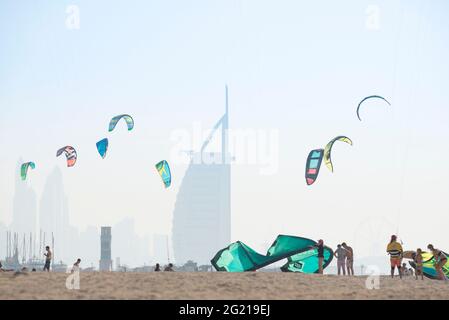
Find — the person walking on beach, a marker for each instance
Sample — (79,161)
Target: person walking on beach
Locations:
(349,258)
(76,266)
(440,261)
(157,268)
(48,257)
(418,259)
(340,254)
(394,249)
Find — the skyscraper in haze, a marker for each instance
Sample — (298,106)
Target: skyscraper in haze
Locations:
(24,206)
(54,215)
(160,250)
(202,214)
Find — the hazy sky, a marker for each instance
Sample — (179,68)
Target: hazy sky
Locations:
(294,68)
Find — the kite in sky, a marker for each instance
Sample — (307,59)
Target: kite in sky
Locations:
(70,154)
(328,150)
(129,122)
(24,169)
(301,255)
(102,147)
(164,171)
(313,165)
(370,97)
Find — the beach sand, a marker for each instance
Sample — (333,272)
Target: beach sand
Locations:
(214,285)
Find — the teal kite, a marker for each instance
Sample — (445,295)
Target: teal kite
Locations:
(24,169)
(370,97)
(102,147)
(164,171)
(301,254)
(129,122)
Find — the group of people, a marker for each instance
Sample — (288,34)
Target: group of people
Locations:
(169,267)
(345,259)
(344,255)
(394,249)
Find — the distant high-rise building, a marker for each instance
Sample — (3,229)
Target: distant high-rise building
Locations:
(132,249)
(54,215)
(202,214)
(105,258)
(24,206)
(160,254)
(87,245)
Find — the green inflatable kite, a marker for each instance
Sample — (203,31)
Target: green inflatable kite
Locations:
(301,255)
(428,264)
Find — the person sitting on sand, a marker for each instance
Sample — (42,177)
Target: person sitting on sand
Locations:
(157,268)
(394,249)
(418,259)
(47,259)
(169,267)
(440,261)
(340,254)
(349,258)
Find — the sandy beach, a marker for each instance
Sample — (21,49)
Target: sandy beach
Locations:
(216,285)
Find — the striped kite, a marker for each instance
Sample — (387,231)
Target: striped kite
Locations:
(70,154)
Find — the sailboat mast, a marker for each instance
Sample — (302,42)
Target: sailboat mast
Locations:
(52,248)
(40,242)
(24,249)
(168,252)
(30,254)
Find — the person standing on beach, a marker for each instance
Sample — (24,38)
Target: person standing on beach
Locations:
(320,247)
(340,254)
(349,258)
(48,257)
(440,261)
(157,268)
(394,249)
(419,264)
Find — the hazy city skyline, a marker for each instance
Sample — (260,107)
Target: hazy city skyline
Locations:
(296,71)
